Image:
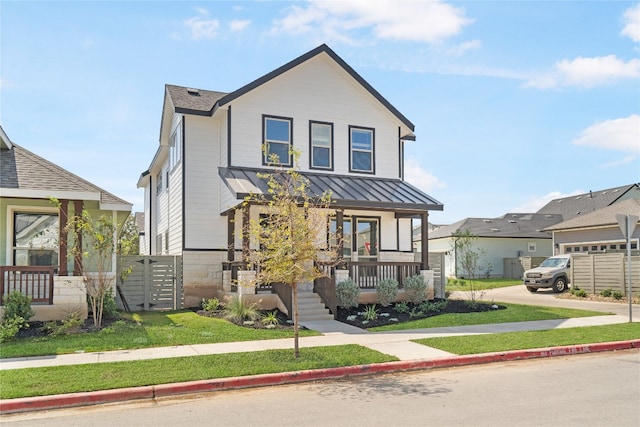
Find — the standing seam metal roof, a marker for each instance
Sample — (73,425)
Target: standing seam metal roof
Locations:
(347,191)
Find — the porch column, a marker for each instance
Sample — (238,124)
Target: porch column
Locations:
(231,235)
(245,235)
(77,260)
(64,247)
(340,233)
(424,242)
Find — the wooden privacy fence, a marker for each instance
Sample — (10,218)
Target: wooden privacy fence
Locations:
(35,282)
(154,282)
(597,272)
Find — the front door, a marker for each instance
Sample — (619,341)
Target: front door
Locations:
(367,231)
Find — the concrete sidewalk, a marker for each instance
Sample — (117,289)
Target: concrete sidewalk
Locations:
(395,343)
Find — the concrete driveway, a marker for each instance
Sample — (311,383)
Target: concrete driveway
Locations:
(546,297)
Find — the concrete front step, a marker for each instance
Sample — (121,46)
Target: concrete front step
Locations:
(310,307)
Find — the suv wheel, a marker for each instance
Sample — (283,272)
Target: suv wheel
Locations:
(532,289)
(560,285)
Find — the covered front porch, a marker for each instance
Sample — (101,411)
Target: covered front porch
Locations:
(370,218)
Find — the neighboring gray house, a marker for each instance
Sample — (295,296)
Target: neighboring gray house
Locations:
(597,231)
(507,237)
(581,204)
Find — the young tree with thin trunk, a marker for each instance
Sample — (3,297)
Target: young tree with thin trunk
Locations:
(291,233)
(467,256)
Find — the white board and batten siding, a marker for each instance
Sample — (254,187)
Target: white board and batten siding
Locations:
(304,94)
(204,227)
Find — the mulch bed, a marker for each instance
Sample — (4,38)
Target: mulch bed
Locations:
(452,306)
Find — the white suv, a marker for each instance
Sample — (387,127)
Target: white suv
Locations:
(554,272)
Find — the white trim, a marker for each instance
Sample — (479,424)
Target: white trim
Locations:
(11,209)
(47,194)
(116,207)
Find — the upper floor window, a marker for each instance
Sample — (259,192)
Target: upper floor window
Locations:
(159,183)
(277,140)
(361,149)
(321,141)
(175,147)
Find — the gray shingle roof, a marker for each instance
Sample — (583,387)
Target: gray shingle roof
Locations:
(193,101)
(602,217)
(522,225)
(207,101)
(572,206)
(347,191)
(24,170)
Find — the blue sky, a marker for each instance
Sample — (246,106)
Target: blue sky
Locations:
(515,103)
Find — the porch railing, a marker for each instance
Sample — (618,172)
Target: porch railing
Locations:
(367,274)
(33,281)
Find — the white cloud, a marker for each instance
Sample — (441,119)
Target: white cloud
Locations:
(239,25)
(202,28)
(587,72)
(624,161)
(429,22)
(463,47)
(631,19)
(617,134)
(415,175)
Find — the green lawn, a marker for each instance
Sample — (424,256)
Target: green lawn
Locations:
(513,313)
(147,329)
(104,376)
(476,344)
(454,285)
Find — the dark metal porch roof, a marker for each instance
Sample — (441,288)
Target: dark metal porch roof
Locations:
(349,192)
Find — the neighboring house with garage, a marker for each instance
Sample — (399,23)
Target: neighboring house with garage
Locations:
(215,145)
(35,256)
(502,242)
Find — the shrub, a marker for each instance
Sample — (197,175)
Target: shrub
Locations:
(70,323)
(401,307)
(211,304)
(370,312)
(238,310)
(578,292)
(415,289)
(9,327)
(347,293)
(386,291)
(415,312)
(109,306)
(270,318)
(606,292)
(617,295)
(18,305)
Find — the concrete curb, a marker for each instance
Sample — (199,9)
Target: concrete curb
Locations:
(29,404)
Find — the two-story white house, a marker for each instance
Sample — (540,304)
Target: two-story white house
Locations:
(350,139)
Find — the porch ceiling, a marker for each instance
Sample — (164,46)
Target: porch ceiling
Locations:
(349,192)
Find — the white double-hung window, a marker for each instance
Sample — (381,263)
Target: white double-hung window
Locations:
(277,140)
(321,141)
(361,149)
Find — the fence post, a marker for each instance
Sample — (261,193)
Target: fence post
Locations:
(146,283)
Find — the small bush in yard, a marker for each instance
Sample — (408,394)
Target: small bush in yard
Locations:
(10,327)
(347,293)
(606,292)
(238,310)
(415,289)
(211,304)
(18,305)
(617,295)
(370,312)
(386,290)
(401,307)
(579,292)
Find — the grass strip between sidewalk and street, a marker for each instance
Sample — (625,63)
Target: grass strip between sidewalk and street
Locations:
(104,376)
(512,313)
(491,343)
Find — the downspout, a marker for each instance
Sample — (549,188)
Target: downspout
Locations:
(114,255)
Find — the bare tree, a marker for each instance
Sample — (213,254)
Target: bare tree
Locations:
(467,255)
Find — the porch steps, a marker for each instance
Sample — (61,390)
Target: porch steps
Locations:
(310,307)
